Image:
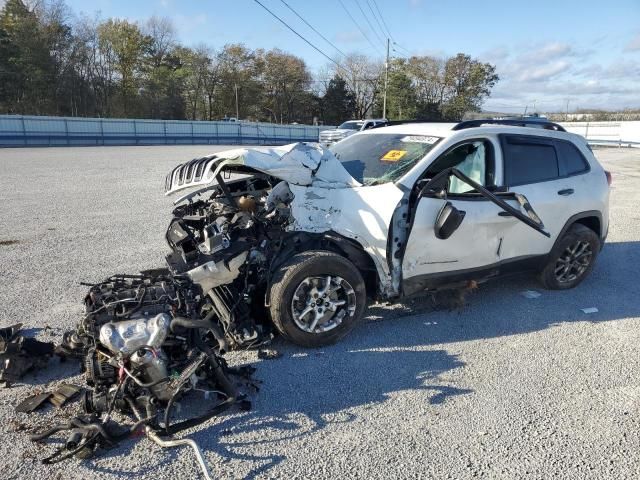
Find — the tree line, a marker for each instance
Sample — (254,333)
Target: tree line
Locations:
(54,63)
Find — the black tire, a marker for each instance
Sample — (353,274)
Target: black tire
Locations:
(552,276)
(291,276)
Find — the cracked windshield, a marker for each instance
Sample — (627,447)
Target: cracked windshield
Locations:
(376,158)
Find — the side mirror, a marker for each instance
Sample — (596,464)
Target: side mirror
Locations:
(448,220)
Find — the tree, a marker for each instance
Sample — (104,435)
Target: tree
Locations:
(124,45)
(468,83)
(162,83)
(195,68)
(338,103)
(27,68)
(239,77)
(401,94)
(285,80)
(363,78)
(440,89)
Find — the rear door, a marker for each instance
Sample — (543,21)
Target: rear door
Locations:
(537,167)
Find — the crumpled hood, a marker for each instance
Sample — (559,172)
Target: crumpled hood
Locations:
(302,164)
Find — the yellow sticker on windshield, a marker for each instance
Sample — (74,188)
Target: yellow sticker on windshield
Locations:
(393,155)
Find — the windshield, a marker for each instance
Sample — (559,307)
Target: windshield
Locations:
(351,125)
(381,157)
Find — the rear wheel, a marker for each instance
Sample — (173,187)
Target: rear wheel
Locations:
(572,259)
(317,297)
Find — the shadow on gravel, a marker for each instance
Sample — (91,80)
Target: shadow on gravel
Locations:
(305,391)
(403,348)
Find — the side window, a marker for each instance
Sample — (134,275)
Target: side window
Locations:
(475,159)
(572,161)
(528,160)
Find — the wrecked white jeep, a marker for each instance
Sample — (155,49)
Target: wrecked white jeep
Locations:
(301,238)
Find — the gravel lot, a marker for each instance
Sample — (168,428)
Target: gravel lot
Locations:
(508,388)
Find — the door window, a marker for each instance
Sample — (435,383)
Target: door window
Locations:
(474,159)
(528,160)
(571,159)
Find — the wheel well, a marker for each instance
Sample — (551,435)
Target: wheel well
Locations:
(590,222)
(354,252)
(333,242)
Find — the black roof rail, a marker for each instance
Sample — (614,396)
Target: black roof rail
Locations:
(525,122)
(389,123)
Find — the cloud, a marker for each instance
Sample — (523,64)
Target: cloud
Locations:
(548,52)
(554,72)
(544,72)
(634,44)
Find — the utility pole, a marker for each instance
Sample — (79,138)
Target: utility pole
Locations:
(237,110)
(386,80)
(567,116)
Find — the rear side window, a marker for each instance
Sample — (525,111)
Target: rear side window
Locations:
(528,160)
(571,160)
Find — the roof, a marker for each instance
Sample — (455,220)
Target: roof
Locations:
(445,130)
(427,128)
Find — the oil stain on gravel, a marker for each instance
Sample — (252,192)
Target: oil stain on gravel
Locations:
(5,243)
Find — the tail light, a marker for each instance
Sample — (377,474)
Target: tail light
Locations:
(608,175)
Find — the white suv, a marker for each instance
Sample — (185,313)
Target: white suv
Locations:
(310,234)
(346,129)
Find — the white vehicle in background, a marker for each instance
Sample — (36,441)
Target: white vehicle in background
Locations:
(329,137)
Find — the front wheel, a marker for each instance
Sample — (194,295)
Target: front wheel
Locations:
(572,258)
(317,297)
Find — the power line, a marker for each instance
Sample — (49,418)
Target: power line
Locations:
(303,38)
(401,47)
(369,23)
(358,25)
(373,14)
(383,20)
(312,28)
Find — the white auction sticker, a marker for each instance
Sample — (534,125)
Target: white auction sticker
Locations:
(420,139)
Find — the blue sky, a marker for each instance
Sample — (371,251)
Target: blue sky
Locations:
(586,52)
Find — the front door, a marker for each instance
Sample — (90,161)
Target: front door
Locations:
(476,242)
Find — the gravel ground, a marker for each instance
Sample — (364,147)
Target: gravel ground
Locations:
(507,388)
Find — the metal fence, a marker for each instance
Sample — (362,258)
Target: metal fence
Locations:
(31,131)
(619,134)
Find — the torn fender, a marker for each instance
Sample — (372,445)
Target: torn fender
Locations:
(298,164)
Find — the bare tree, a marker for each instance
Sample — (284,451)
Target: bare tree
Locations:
(364,79)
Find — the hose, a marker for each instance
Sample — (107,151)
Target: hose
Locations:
(206,323)
(177,443)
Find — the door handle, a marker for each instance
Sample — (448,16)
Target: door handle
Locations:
(504,214)
(566,192)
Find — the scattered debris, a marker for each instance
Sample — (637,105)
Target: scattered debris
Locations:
(530,294)
(4,243)
(142,349)
(19,354)
(32,403)
(453,298)
(268,354)
(589,310)
(65,392)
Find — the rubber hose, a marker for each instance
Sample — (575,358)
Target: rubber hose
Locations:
(206,323)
